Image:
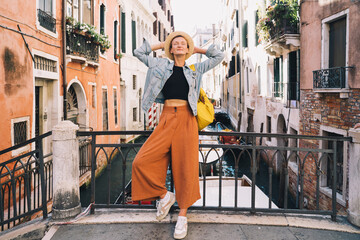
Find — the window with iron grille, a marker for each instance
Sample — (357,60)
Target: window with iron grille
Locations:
(105,110)
(115,107)
(134,82)
(45,15)
(45,64)
(135,114)
(20,132)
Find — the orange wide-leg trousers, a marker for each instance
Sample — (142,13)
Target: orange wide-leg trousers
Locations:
(176,138)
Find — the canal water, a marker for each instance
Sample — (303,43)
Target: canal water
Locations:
(228,169)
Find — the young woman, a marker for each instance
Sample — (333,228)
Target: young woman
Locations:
(176,137)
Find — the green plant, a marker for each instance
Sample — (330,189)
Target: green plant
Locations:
(282,14)
(89,31)
(118,55)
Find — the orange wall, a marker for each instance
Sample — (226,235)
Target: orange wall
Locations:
(106,75)
(16,66)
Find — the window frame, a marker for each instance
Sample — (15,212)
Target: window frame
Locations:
(325,40)
(38,26)
(105,90)
(340,198)
(20,150)
(115,98)
(135,114)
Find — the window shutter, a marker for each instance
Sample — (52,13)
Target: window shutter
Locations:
(123,33)
(245,34)
(133,25)
(256,33)
(102,19)
(115,37)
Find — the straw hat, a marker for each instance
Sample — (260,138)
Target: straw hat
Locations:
(171,37)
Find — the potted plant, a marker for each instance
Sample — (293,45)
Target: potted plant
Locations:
(281,17)
(118,55)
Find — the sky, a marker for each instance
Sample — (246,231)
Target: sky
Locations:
(189,14)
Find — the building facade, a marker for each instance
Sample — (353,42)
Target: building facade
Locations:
(211,80)
(329,83)
(151,20)
(31,79)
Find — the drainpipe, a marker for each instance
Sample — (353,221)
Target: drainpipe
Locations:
(119,35)
(64,59)
(241,61)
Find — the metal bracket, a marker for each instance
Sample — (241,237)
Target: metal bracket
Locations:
(27,46)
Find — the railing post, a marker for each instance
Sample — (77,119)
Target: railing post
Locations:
(93,170)
(66,193)
(354,178)
(42,178)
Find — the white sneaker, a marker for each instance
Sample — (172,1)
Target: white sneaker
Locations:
(180,228)
(163,205)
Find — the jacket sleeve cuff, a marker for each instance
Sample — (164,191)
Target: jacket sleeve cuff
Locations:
(211,51)
(144,49)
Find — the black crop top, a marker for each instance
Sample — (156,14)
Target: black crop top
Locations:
(176,87)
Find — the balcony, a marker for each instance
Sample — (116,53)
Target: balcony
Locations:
(81,48)
(47,21)
(278,28)
(284,37)
(331,80)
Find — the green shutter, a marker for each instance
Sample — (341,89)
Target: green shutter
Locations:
(256,33)
(102,19)
(133,26)
(115,37)
(276,77)
(245,34)
(123,31)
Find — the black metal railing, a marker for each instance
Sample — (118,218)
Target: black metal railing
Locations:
(330,78)
(25,183)
(279,155)
(81,45)
(285,27)
(47,21)
(84,155)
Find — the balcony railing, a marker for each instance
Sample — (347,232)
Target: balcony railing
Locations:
(330,78)
(284,28)
(47,21)
(78,44)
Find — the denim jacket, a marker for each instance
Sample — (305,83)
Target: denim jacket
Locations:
(160,69)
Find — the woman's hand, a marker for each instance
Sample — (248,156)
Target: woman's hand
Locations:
(199,50)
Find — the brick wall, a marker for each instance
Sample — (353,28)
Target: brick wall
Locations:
(326,109)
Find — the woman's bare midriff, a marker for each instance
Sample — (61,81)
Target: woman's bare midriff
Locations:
(175,102)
